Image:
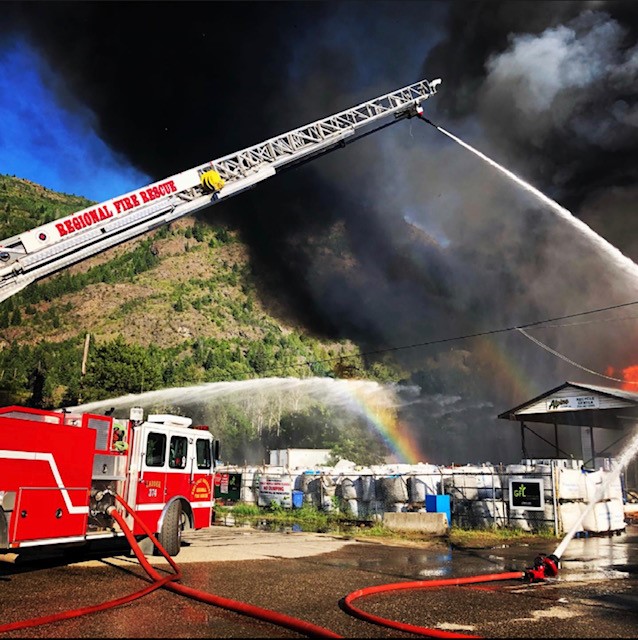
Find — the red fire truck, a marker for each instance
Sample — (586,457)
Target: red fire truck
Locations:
(61,472)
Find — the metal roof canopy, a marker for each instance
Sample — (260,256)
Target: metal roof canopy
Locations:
(577,404)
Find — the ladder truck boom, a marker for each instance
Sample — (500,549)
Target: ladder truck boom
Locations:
(41,251)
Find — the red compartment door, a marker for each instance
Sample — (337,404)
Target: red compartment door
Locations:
(49,513)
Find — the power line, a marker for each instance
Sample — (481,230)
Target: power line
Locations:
(585,322)
(478,334)
(566,359)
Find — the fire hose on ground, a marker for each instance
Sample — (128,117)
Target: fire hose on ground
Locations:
(544,566)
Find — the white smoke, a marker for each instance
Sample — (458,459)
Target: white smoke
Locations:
(570,78)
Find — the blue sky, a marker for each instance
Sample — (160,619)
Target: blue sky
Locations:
(54,147)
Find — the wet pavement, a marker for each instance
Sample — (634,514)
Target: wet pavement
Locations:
(307,575)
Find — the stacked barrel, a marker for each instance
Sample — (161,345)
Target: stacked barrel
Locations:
(478,494)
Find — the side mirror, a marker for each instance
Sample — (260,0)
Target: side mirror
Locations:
(215,449)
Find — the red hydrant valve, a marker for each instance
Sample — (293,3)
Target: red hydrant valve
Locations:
(544,567)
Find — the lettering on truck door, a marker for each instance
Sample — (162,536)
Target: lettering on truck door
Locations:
(201,490)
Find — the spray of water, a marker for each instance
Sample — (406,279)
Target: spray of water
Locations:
(608,250)
(291,394)
(621,462)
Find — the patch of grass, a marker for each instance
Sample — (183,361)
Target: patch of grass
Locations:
(244,509)
(309,518)
(486,538)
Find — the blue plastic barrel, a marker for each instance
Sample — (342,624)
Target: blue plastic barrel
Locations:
(297,499)
(439,504)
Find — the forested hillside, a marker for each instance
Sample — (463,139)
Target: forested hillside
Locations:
(177,307)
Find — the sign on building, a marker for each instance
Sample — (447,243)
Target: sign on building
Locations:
(228,486)
(572,402)
(527,493)
(275,490)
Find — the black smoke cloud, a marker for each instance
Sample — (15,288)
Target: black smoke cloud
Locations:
(440,245)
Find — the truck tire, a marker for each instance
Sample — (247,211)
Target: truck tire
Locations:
(170,535)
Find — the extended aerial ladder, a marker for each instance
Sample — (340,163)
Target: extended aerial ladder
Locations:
(41,251)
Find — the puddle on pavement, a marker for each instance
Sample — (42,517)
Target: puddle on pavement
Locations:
(585,559)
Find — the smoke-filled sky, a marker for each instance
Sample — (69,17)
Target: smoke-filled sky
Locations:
(99,98)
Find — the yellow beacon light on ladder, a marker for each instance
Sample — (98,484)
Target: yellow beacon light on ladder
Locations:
(212,180)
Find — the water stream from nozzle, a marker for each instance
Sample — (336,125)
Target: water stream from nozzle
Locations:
(609,250)
(617,258)
(625,457)
(291,393)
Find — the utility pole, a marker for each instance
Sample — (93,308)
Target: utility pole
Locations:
(86,353)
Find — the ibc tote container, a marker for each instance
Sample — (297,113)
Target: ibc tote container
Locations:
(542,519)
(376,508)
(605,516)
(249,486)
(349,487)
(571,484)
(489,486)
(425,480)
(568,514)
(368,492)
(328,485)
(488,513)
(392,490)
(351,508)
(461,483)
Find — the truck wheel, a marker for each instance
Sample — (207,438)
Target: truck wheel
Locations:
(170,536)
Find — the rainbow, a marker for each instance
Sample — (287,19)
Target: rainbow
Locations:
(509,374)
(396,434)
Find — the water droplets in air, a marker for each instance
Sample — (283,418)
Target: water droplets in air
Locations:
(290,394)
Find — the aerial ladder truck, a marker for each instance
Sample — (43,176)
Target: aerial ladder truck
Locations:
(62,474)
(41,251)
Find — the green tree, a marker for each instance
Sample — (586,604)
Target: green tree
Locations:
(239,437)
(116,368)
(257,357)
(356,442)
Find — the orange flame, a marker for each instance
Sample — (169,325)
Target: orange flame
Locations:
(630,376)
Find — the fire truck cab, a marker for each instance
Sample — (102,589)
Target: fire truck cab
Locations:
(60,473)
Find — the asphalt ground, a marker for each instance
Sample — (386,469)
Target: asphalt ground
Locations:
(307,576)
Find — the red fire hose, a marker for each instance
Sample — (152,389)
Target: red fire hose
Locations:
(76,613)
(295,624)
(111,604)
(168,581)
(280,619)
(402,626)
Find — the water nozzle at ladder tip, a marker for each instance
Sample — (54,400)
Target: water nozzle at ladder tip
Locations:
(420,116)
(544,567)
